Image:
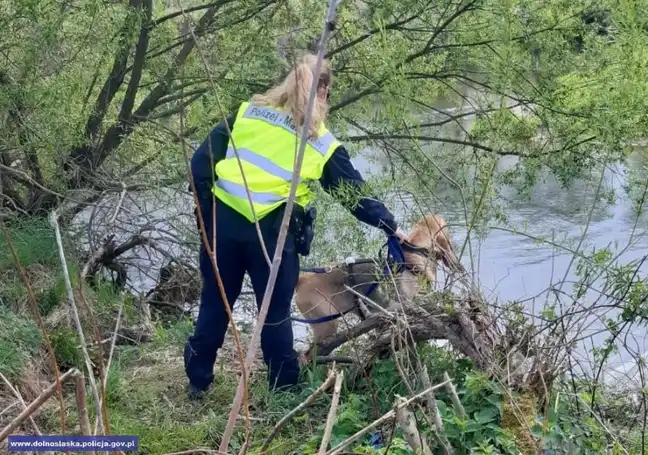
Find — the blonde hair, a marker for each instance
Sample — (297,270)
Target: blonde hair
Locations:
(292,93)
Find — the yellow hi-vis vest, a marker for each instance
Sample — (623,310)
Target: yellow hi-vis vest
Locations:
(266,144)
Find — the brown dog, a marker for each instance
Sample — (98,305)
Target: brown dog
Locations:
(319,295)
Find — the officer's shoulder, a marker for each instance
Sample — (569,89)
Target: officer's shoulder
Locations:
(222,126)
(341,152)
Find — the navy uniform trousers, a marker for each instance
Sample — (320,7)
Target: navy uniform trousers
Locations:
(238,251)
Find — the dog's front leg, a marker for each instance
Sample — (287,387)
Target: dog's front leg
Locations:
(408,287)
(321,331)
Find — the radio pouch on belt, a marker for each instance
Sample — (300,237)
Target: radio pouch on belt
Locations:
(303,225)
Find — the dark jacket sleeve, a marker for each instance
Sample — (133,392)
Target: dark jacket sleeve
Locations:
(338,172)
(202,167)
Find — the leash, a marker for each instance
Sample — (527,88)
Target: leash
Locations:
(332,317)
(315,269)
(395,256)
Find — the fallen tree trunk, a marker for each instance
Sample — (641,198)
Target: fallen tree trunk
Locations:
(465,321)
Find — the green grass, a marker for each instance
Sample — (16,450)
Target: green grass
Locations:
(20,338)
(34,242)
(65,342)
(35,246)
(146,396)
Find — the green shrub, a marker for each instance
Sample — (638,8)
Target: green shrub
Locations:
(52,296)
(65,343)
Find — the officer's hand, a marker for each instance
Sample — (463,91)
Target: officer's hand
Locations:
(400,235)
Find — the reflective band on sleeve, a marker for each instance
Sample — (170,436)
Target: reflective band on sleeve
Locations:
(239,191)
(262,162)
(284,121)
(322,143)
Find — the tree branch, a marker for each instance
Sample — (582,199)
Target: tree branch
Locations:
(185,38)
(370,33)
(352,99)
(459,12)
(377,137)
(87,160)
(378,85)
(193,9)
(113,82)
(16,115)
(138,65)
(181,95)
(178,109)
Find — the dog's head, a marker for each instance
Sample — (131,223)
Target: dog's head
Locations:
(431,234)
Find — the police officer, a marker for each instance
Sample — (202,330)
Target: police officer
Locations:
(265,133)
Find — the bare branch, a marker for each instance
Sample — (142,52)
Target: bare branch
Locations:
(75,314)
(21,401)
(332,412)
(37,403)
(385,418)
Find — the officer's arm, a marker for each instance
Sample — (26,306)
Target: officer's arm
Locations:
(338,176)
(202,166)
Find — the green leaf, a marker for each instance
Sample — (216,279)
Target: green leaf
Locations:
(537,430)
(443,408)
(556,437)
(473,426)
(495,400)
(486,415)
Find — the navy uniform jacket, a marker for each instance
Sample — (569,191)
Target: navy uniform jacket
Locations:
(338,170)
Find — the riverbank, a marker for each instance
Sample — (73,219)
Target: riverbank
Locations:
(145,390)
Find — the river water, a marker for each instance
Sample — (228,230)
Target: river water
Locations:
(508,266)
(514,266)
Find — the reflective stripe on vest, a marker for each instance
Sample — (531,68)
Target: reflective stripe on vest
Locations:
(239,191)
(264,143)
(262,162)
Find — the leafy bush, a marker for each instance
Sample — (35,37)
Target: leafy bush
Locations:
(52,296)
(65,342)
(482,400)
